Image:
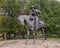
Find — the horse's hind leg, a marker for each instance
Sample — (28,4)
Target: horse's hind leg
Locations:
(34,42)
(27,36)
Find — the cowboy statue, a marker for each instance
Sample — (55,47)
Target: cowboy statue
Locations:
(33,23)
(35,13)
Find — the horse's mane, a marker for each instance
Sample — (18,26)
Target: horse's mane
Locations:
(24,13)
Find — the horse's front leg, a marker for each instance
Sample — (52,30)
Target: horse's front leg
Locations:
(43,34)
(34,37)
(27,36)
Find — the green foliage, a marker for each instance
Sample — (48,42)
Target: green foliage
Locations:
(50,14)
(12,7)
(12,24)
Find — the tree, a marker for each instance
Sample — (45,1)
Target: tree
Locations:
(50,14)
(13,10)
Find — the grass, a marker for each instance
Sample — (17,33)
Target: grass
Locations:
(54,39)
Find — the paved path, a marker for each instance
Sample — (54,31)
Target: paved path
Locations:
(21,44)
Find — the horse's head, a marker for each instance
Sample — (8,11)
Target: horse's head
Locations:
(21,19)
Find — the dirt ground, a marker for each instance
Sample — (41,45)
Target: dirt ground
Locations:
(21,44)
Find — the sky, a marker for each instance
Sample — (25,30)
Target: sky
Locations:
(58,0)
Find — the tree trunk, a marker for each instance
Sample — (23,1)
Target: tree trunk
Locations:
(5,36)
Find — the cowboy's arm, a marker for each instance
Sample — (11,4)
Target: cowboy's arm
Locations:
(39,12)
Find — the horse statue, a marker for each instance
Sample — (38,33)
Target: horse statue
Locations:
(32,23)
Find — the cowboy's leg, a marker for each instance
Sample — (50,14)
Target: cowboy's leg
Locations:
(37,22)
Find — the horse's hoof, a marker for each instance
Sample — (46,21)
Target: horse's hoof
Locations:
(25,42)
(34,42)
